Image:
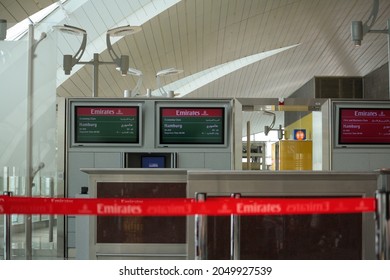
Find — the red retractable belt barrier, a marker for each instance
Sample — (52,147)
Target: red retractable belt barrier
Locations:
(183,206)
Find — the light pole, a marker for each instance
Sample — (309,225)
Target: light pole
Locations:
(121,62)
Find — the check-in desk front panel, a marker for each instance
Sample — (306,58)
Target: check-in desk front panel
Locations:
(300,237)
(141,230)
(137,237)
(310,236)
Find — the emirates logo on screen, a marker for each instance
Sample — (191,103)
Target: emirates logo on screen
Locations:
(187,113)
(366,114)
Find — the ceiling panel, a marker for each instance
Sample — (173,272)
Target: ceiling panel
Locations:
(17,10)
(195,35)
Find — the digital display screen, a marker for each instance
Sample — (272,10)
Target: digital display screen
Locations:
(106,124)
(153,162)
(299,134)
(364,126)
(192,125)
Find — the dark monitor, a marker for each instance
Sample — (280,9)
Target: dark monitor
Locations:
(153,162)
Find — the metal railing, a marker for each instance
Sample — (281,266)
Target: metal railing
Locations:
(382,216)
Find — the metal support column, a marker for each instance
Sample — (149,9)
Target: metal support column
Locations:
(388,52)
(383,216)
(235,233)
(50,186)
(29,172)
(200,232)
(95,80)
(7,232)
(248,146)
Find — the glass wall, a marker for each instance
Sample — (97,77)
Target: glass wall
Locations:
(28,141)
(284,136)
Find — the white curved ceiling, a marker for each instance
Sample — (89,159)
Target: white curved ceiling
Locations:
(198,36)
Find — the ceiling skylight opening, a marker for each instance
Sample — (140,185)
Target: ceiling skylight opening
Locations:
(191,83)
(17,31)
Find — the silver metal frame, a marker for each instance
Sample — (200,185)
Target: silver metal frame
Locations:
(383,216)
(62,115)
(252,183)
(130,250)
(353,104)
(113,103)
(201,231)
(225,104)
(235,233)
(7,232)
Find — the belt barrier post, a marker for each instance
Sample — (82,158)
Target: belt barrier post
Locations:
(83,234)
(235,233)
(382,216)
(50,185)
(7,232)
(200,232)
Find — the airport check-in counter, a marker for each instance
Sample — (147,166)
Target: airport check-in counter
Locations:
(310,236)
(134,237)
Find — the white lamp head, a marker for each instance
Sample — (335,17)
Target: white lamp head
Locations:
(168,71)
(123,31)
(73,30)
(131,71)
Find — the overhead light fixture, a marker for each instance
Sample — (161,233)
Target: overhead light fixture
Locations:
(137,73)
(71,60)
(268,128)
(123,31)
(73,30)
(164,73)
(121,62)
(132,71)
(357,32)
(168,71)
(360,29)
(3,29)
